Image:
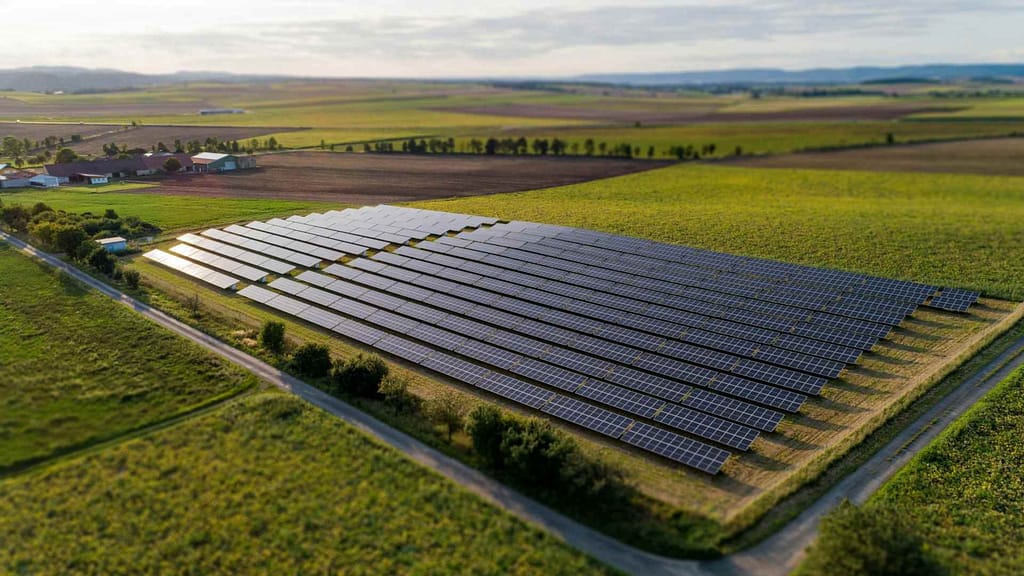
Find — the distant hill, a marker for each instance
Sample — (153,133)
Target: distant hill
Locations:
(71,79)
(877,74)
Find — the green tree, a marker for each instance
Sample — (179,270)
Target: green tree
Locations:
(449,409)
(172,165)
(68,238)
(102,261)
(395,390)
(875,541)
(272,336)
(486,426)
(132,277)
(312,360)
(360,375)
(65,156)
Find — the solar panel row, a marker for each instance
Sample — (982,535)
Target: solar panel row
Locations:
(692,453)
(218,279)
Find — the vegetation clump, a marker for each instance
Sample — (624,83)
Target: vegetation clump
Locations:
(272,336)
(360,375)
(312,360)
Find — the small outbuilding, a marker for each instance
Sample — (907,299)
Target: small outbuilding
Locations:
(113,244)
(16,179)
(44,181)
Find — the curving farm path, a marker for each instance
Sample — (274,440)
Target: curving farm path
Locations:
(775,556)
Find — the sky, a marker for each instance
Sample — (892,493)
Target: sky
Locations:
(454,38)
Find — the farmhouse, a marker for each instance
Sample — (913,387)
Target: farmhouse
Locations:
(213,162)
(16,179)
(113,244)
(44,181)
(116,167)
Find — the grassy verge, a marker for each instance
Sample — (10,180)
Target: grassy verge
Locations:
(79,369)
(267,485)
(168,212)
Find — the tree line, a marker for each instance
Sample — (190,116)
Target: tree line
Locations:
(521,146)
(75,235)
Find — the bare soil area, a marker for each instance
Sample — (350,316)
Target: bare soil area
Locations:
(36,132)
(148,136)
(373,179)
(1002,156)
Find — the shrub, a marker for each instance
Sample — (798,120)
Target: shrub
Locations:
(395,390)
(84,250)
(360,375)
(873,540)
(487,428)
(67,238)
(449,409)
(272,336)
(101,260)
(132,278)
(312,360)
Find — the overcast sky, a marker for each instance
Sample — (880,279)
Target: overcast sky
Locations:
(450,38)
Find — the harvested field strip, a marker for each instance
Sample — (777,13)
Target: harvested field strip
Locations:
(380,178)
(1000,156)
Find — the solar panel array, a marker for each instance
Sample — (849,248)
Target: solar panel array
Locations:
(684,353)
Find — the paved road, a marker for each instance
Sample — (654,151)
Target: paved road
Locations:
(776,556)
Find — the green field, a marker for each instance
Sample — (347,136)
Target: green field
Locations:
(169,212)
(78,368)
(965,492)
(956,230)
(268,485)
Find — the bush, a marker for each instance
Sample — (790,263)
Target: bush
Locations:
(395,390)
(84,250)
(101,260)
(67,238)
(272,336)
(132,278)
(875,541)
(312,360)
(535,455)
(360,375)
(449,409)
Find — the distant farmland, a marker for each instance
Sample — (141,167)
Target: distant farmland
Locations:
(38,131)
(372,179)
(148,136)
(1002,156)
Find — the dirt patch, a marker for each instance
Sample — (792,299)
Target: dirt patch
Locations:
(148,136)
(373,179)
(36,132)
(1002,156)
(59,108)
(703,115)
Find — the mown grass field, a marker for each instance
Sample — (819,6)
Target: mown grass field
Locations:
(169,212)
(965,493)
(955,230)
(267,485)
(77,368)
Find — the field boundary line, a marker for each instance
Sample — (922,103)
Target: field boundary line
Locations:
(777,555)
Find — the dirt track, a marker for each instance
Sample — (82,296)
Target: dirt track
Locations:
(703,115)
(373,179)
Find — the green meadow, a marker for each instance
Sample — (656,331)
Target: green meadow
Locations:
(78,368)
(266,485)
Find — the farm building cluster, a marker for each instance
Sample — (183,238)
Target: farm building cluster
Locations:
(103,170)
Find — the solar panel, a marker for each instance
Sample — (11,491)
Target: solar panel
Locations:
(703,457)
(588,416)
(212,277)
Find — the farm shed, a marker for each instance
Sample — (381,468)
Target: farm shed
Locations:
(113,244)
(44,181)
(214,162)
(16,179)
(90,178)
(111,168)
(154,163)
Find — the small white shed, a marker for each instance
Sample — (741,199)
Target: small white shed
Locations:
(113,244)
